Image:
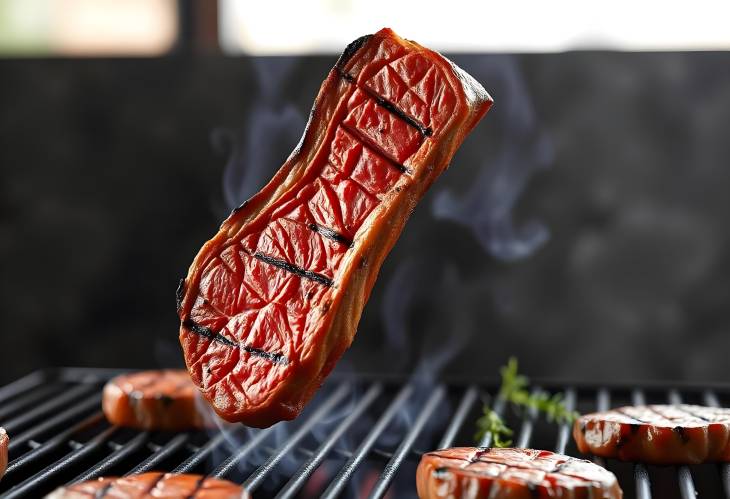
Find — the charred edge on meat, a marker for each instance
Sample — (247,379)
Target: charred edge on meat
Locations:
(350,51)
(239,207)
(330,234)
(276,358)
(180,294)
(681,433)
(103,491)
(208,333)
(386,104)
(284,265)
(635,427)
(583,427)
(559,467)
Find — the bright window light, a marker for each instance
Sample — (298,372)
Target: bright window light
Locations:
(87,27)
(291,26)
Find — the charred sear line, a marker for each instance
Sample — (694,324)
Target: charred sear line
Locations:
(208,333)
(681,433)
(284,265)
(385,104)
(102,492)
(330,234)
(276,358)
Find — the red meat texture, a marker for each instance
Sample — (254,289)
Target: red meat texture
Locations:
(248,293)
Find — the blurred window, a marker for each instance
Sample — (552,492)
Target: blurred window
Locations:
(293,26)
(87,27)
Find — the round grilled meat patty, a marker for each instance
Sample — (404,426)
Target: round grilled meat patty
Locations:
(486,473)
(152,485)
(657,434)
(152,400)
(3,451)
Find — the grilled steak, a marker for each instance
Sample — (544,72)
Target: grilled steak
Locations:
(152,400)
(657,434)
(3,451)
(481,473)
(151,485)
(273,300)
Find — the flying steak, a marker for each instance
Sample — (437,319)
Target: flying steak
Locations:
(484,473)
(657,434)
(273,300)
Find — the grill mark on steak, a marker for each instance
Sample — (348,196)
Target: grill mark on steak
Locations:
(634,419)
(103,491)
(386,104)
(469,462)
(684,409)
(374,147)
(330,234)
(276,358)
(284,265)
(208,333)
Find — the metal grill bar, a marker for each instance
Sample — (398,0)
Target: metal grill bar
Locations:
(201,455)
(60,419)
(253,481)
(119,455)
(381,486)
(88,448)
(300,477)
(27,400)
(603,403)
(162,453)
(641,474)
(528,423)
(230,464)
(64,398)
(564,431)
(712,401)
(467,401)
(686,484)
(52,444)
(498,408)
(340,481)
(62,464)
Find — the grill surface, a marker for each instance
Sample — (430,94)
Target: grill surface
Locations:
(359,438)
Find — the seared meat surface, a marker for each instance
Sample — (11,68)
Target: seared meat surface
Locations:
(273,300)
(657,434)
(486,473)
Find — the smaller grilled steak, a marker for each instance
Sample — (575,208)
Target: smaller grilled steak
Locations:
(151,485)
(152,400)
(3,451)
(657,434)
(481,473)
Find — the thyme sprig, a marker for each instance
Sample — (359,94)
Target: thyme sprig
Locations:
(514,390)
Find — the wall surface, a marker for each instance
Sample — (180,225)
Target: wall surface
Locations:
(582,227)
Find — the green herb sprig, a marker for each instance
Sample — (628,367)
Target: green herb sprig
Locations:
(514,390)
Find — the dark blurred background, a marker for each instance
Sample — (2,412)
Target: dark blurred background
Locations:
(582,227)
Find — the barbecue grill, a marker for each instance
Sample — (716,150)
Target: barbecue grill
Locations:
(360,437)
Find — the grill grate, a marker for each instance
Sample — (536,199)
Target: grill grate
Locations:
(358,438)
